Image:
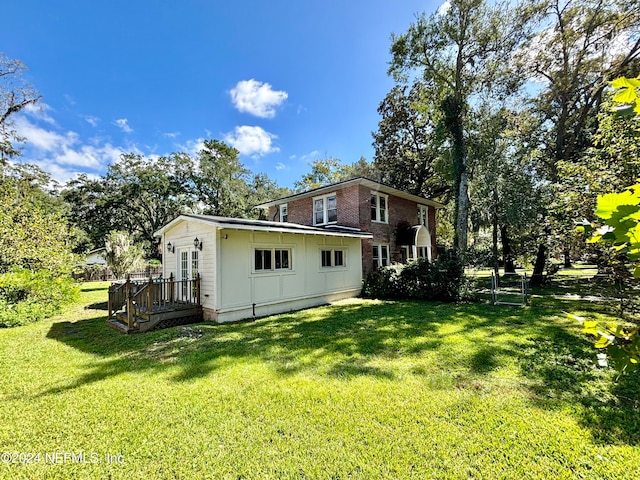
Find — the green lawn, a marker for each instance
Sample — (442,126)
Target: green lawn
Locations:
(360,389)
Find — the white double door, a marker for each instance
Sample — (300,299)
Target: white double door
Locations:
(188,266)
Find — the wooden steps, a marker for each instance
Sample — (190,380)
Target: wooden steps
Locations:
(163,318)
(157,303)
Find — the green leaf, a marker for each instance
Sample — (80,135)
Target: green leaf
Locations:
(624,82)
(626,95)
(603,342)
(609,203)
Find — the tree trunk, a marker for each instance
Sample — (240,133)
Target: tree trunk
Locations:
(538,269)
(507,252)
(462,219)
(567,256)
(452,107)
(494,243)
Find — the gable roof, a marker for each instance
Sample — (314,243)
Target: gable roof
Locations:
(375,186)
(263,225)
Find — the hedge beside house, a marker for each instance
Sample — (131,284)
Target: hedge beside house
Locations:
(422,280)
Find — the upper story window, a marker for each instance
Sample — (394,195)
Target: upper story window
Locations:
(379,205)
(423,215)
(284,212)
(325,209)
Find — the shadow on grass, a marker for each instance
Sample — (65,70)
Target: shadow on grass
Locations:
(340,341)
(366,338)
(562,368)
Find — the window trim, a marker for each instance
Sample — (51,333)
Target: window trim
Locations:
(378,196)
(378,247)
(272,259)
(332,257)
(325,210)
(423,215)
(285,207)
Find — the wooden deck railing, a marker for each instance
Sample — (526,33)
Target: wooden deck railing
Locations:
(154,295)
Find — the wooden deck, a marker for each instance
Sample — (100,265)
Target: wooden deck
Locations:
(136,306)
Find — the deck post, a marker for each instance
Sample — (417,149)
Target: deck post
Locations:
(171,288)
(129,302)
(198,289)
(109,300)
(150,295)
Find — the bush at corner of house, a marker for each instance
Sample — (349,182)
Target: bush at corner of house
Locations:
(420,279)
(27,296)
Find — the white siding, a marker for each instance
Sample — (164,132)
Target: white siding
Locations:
(306,284)
(182,236)
(232,290)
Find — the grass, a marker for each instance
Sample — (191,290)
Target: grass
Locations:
(361,389)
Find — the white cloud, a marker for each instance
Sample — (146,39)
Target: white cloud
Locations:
(192,147)
(257,98)
(171,134)
(39,111)
(62,154)
(444,8)
(91,120)
(280,166)
(41,139)
(252,141)
(123,123)
(307,157)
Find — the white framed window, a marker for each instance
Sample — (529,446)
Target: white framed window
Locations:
(380,256)
(379,207)
(333,257)
(325,209)
(284,212)
(272,259)
(423,215)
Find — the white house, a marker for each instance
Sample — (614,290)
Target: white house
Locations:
(252,268)
(96,257)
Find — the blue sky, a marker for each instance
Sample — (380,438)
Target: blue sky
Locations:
(284,81)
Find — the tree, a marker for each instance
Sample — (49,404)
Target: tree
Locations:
(139,194)
(122,254)
(323,172)
(459,51)
(332,170)
(34,233)
(576,48)
(262,189)
(409,151)
(15,95)
(504,183)
(221,180)
(619,215)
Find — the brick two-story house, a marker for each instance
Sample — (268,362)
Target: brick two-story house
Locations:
(403,225)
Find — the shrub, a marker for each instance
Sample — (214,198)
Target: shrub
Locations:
(440,280)
(27,296)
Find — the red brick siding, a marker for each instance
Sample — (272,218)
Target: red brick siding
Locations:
(354,210)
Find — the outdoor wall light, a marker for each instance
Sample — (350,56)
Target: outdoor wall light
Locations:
(197,243)
(171,248)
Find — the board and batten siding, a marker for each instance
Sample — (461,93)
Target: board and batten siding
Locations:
(231,289)
(306,284)
(181,236)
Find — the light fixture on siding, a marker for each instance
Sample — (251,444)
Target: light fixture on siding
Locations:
(171,248)
(197,243)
